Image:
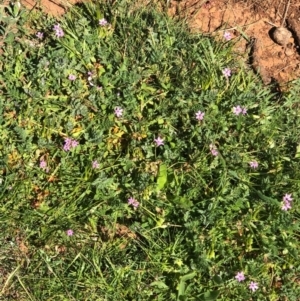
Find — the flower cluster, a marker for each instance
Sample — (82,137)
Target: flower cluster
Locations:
(69,144)
(58,31)
(133,202)
(239,110)
(286,202)
(240,276)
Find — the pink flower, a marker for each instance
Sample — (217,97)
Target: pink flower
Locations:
(199,115)
(43,164)
(118,111)
(103,22)
(227,35)
(226,72)
(70,232)
(72,77)
(213,150)
(253,164)
(58,31)
(286,202)
(69,144)
(39,35)
(159,141)
(240,276)
(237,110)
(253,286)
(287,197)
(95,164)
(286,206)
(133,202)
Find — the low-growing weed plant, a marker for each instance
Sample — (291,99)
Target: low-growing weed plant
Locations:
(140,161)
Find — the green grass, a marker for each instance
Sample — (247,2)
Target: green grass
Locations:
(201,218)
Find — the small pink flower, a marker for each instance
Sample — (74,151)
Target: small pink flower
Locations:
(118,111)
(103,22)
(72,77)
(253,164)
(253,286)
(43,164)
(133,202)
(213,150)
(286,206)
(244,111)
(69,143)
(39,35)
(226,72)
(237,110)
(159,141)
(199,115)
(227,35)
(70,232)
(95,164)
(240,276)
(287,197)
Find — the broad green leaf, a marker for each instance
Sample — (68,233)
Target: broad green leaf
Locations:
(162,176)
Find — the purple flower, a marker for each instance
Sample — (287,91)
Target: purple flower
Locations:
(133,202)
(43,164)
(200,115)
(286,202)
(237,110)
(226,72)
(213,150)
(72,77)
(95,164)
(58,31)
(286,206)
(240,276)
(103,22)
(159,141)
(69,143)
(227,35)
(253,164)
(253,286)
(39,35)
(70,232)
(287,198)
(118,111)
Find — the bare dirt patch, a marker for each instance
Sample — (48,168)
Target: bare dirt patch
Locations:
(251,23)
(52,7)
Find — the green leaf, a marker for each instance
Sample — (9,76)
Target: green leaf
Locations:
(210,296)
(159,284)
(162,176)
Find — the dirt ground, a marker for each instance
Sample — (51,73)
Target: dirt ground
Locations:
(251,24)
